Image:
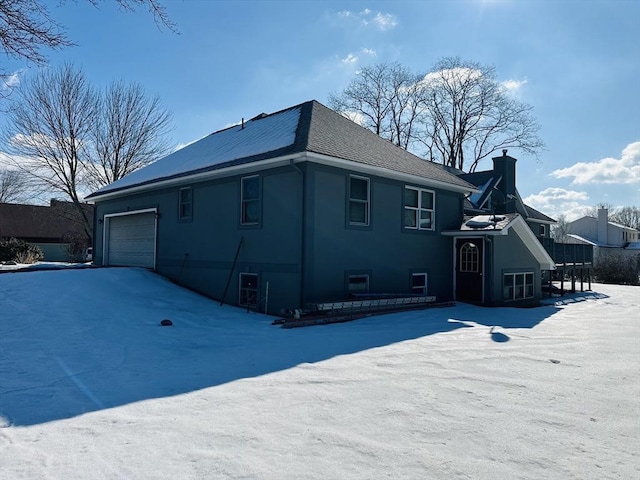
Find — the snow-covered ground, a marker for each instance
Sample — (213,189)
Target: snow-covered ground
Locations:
(91,387)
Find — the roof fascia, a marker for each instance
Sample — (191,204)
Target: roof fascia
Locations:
(521,228)
(203,176)
(385,172)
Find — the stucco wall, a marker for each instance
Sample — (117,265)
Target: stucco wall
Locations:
(505,253)
(384,250)
(199,253)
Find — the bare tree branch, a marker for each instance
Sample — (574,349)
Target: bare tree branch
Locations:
(458,111)
(71,138)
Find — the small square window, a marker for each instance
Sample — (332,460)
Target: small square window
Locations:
(358,284)
(419,283)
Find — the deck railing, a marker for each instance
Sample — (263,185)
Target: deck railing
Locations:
(568,254)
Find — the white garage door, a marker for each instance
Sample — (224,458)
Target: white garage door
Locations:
(132,240)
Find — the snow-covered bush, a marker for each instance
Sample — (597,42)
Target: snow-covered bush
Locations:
(14,250)
(617,268)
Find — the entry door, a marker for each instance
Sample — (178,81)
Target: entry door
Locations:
(469,266)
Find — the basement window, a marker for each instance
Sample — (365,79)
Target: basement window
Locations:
(248,290)
(518,286)
(419,283)
(358,284)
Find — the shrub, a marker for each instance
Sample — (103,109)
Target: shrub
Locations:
(19,251)
(617,268)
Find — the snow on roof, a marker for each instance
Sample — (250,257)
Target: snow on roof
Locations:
(487,222)
(259,135)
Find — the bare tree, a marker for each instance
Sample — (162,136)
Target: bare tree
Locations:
(383,98)
(12,185)
(469,116)
(48,127)
(71,138)
(560,230)
(628,216)
(129,133)
(459,112)
(28,30)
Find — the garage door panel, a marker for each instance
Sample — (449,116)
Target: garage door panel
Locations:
(132,240)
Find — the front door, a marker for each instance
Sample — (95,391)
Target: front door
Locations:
(469,269)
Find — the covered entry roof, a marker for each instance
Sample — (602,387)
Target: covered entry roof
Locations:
(481,225)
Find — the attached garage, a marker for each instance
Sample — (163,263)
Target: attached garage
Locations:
(130,239)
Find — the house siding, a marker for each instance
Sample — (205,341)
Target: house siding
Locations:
(199,253)
(384,250)
(508,254)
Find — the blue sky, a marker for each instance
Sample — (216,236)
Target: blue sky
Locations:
(576,62)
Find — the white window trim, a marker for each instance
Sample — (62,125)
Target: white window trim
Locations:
(543,230)
(524,285)
(426,281)
(242,200)
(367,202)
(419,208)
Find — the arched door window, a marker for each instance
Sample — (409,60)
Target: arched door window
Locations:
(469,257)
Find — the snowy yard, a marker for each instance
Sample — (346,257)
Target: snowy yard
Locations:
(91,387)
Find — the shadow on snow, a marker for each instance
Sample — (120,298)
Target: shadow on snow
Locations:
(96,343)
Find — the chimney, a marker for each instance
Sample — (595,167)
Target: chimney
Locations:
(505,167)
(603,226)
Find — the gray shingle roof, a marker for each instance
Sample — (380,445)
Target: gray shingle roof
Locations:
(308,127)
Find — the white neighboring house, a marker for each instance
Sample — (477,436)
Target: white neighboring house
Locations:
(605,236)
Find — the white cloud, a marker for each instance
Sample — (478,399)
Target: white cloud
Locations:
(349,59)
(355,117)
(450,75)
(608,170)
(368,51)
(513,85)
(559,201)
(380,20)
(11,80)
(385,21)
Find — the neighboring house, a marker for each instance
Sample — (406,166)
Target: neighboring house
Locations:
(55,228)
(304,206)
(605,236)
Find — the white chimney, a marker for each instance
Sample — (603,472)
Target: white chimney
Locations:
(603,226)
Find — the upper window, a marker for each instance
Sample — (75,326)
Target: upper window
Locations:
(250,203)
(358,200)
(419,209)
(543,230)
(185,208)
(469,257)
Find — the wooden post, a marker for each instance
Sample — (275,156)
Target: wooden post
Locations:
(233,267)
